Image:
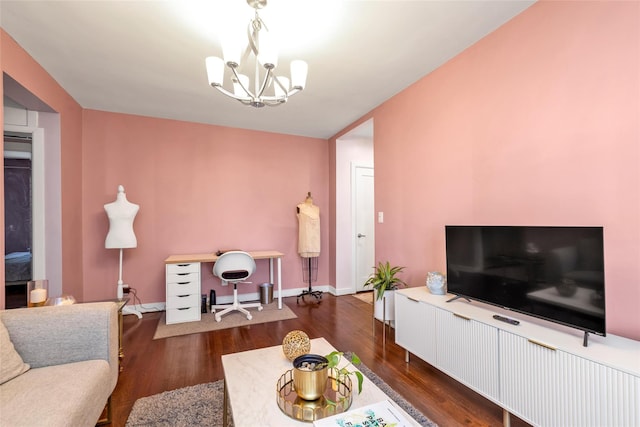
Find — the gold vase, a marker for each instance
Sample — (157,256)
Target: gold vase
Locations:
(310,384)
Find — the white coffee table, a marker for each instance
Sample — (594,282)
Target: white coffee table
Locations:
(250,386)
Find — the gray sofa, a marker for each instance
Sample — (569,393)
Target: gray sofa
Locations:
(72,352)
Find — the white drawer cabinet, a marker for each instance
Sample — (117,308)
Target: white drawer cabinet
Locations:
(416,327)
(183,292)
(536,370)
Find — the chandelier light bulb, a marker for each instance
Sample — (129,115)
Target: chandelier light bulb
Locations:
(299,70)
(215,70)
(231,50)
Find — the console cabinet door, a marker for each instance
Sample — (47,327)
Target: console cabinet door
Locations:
(415,327)
(546,386)
(467,350)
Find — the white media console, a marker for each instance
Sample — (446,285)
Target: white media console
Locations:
(536,370)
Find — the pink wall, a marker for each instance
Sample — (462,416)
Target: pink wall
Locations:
(22,68)
(536,124)
(200,188)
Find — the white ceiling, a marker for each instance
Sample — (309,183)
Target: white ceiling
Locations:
(147,57)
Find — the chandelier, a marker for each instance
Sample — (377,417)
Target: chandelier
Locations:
(267,88)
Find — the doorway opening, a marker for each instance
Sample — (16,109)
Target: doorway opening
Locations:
(354,150)
(18,217)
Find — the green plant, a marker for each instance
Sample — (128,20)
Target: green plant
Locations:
(384,279)
(334,359)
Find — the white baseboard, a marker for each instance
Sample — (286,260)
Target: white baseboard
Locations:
(150,307)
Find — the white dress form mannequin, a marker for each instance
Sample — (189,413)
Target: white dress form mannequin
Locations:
(121,215)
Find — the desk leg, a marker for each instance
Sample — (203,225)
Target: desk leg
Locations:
(271,270)
(279,283)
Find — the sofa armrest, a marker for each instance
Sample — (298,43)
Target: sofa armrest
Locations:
(46,336)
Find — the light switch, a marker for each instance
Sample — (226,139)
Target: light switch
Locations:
(380,217)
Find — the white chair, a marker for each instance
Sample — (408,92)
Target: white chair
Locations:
(234,267)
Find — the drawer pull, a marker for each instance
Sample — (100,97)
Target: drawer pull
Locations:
(183,265)
(183,274)
(183,283)
(461,316)
(412,299)
(183,296)
(542,344)
(185,308)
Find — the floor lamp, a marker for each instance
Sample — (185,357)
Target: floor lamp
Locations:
(121,214)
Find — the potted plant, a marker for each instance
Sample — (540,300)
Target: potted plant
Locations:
(384,282)
(311,372)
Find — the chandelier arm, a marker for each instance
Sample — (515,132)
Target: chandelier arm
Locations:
(253,29)
(272,101)
(284,89)
(264,82)
(235,74)
(233,95)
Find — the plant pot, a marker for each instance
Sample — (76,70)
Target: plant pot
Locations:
(384,309)
(310,384)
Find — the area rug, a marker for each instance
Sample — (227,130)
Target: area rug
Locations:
(365,296)
(270,313)
(201,405)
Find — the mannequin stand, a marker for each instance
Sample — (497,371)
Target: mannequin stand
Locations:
(120,293)
(310,273)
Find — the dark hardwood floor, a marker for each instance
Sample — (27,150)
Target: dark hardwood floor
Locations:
(153,366)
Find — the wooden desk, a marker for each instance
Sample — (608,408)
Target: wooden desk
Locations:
(211,257)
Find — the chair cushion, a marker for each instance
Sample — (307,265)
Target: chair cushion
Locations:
(11,364)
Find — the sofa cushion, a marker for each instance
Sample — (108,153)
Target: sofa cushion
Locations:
(73,394)
(11,364)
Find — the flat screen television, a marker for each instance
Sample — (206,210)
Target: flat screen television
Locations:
(553,273)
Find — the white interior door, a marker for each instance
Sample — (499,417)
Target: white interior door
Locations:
(364,226)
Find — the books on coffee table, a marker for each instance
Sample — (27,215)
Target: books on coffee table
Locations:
(380,414)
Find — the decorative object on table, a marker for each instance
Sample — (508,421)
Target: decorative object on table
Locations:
(63,300)
(295,343)
(121,215)
(336,399)
(334,359)
(384,282)
(259,54)
(37,291)
(437,283)
(377,414)
(310,375)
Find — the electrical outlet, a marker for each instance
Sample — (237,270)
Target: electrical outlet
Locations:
(125,289)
